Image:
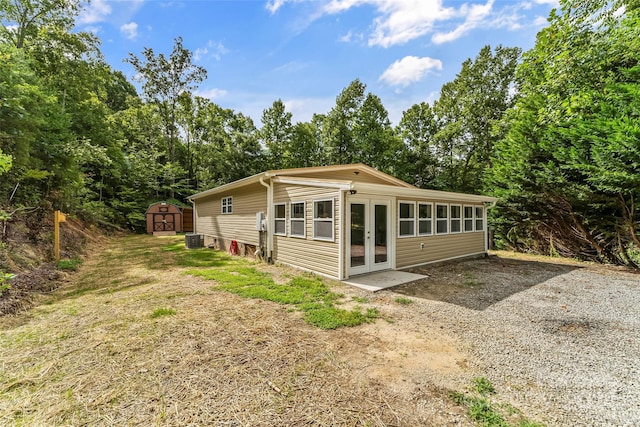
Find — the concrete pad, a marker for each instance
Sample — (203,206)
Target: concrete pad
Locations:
(382,280)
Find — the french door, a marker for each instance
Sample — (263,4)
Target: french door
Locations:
(369,235)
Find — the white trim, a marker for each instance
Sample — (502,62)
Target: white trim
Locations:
(275,218)
(443,260)
(458,218)
(229,204)
(303,219)
(414,219)
(419,193)
(315,182)
(446,219)
(430,233)
(473,218)
(483,219)
(314,220)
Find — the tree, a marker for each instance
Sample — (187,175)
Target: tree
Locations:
(568,171)
(23,20)
(276,133)
(468,113)
(338,127)
(418,128)
(5,162)
(164,80)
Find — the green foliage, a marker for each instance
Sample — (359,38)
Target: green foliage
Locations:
(308,294)
(159,312)
(69,264)
(5,279)
(485,412)
(568,172)
(404,300)
(5,162)
(483,386)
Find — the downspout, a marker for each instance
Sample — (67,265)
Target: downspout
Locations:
(193,215)
(486,234)
(270,225)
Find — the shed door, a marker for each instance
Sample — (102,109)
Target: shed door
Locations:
(369,248)
(164,222)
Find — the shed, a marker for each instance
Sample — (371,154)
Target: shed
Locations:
(164,219)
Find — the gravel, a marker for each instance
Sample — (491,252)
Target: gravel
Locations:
(565,350)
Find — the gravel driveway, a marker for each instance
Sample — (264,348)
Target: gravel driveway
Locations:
(561,341)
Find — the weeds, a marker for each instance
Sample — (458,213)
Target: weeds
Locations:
(481,410)
(5,278)
(159,312)
(307,293)
(69,264)
(404,300)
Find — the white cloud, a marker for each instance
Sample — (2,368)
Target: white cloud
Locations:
(554,3)
(213,93)
(213,48)
(273,5)
(129,30)
(540,21)
(303,109)
(96,11)
(347,37)
(409,69)
(475,16)
(94,29)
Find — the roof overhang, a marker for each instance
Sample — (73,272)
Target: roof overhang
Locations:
(421,193)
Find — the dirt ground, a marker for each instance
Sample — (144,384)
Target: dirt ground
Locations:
(92,354)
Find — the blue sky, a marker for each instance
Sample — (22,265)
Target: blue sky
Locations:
(306,51)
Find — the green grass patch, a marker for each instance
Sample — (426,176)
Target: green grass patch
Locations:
(306,293)
(159,312)
(486,413)
(361,300)
(404,300)
(69,264)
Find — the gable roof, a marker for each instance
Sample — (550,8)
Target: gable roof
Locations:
(309,176)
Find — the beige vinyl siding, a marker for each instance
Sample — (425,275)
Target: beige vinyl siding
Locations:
(437,246)
(239,225)
(315,255)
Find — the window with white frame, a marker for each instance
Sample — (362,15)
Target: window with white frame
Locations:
(468,218)
(455,213)
(479,218)
(279,219)
(323,219)
(297,224)
(425,219)
(442,219)
(227,205)
(406,219)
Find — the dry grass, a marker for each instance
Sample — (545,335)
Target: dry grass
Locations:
(95,355)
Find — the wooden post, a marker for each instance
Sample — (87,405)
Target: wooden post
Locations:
(58,217)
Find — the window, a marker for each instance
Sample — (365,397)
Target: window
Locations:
(227,205)
(280,220)
(425,219)
(455,212)
(323,219)
(296,219)
(468,218)
(406,219)
(479,218)
(442,219)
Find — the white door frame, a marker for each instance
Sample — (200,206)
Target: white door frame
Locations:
(369,245)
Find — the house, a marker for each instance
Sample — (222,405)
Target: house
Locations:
(340,221)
